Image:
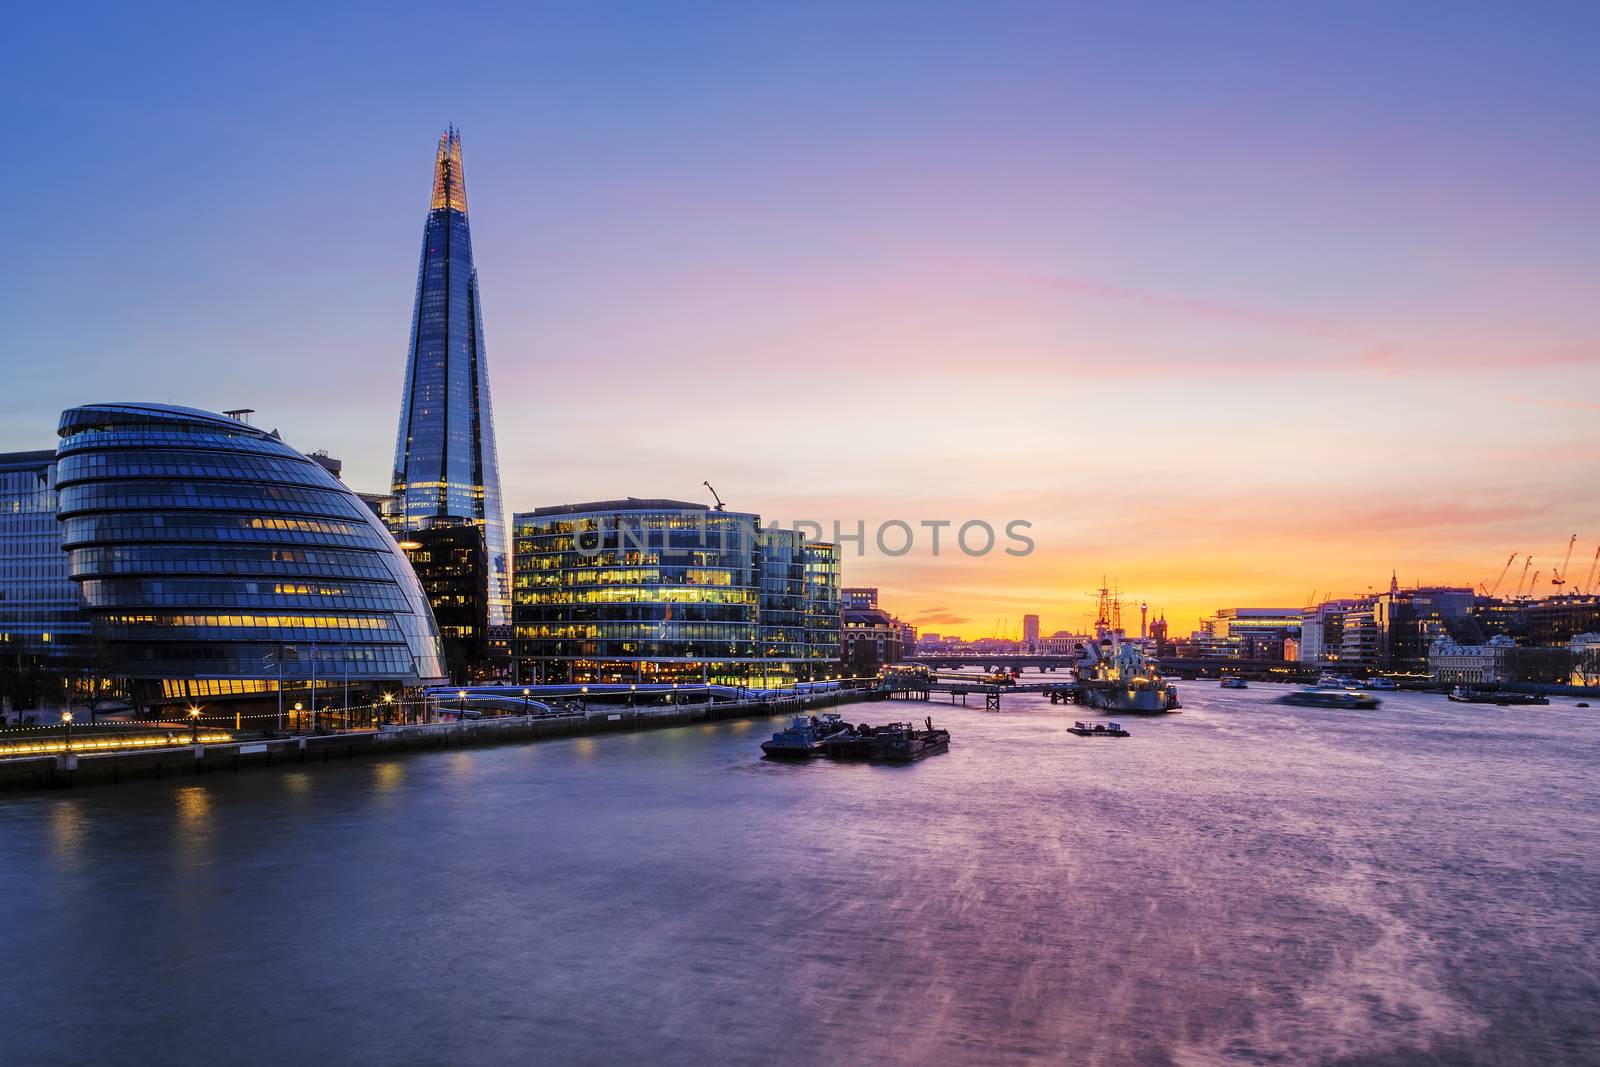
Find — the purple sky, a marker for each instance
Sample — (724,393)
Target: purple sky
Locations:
(1232,301)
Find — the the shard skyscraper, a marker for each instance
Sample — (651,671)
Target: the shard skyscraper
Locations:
(445,469)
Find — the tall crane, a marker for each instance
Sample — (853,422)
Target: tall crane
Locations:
(1559,578)
(1524,577)
(718,499)
(1588,585)
(1535,583)
(1491,590)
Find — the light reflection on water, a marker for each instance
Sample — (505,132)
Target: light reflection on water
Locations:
(1243,883)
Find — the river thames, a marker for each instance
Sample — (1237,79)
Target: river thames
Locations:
(1242,883)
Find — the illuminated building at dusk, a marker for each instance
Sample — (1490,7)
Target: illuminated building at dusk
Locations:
(213,560)
(445,468)
(670,591)
(38,602)
(1246,633)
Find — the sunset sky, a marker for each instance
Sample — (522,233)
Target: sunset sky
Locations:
(1235,303)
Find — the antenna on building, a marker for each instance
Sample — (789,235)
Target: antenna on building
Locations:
(240,414)
(718,499)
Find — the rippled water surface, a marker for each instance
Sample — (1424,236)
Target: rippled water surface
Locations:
(1241,883)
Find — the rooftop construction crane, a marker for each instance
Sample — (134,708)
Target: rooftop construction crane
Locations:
(1559,578)
(1535,583)
(714,496)
(1491,590)
(1588,584)
(1524,577)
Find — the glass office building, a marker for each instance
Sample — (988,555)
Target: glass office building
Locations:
(670,591)
(445,469)
(216,561)
(38,601)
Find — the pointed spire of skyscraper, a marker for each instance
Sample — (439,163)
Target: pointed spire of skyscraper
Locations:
(449,183)
(445,468)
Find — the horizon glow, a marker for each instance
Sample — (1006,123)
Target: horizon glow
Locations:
(1234,305)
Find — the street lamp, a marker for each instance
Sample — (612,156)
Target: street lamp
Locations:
(461,716)
(527,709)
(298,707)
(66,722)
(388,700)
(194,724)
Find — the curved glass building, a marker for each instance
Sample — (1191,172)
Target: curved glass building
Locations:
(214,560)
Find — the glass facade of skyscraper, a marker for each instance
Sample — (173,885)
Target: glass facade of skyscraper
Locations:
(670,591)
(445,467)
(38,601)
(214,560)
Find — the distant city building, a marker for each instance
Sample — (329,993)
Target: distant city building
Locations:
(670,591)
(452,563)
(39,608)
(213,560)
(1246,633)
(1585,649)
(1322,631)
(1408,621)
(1158,637)
(863,597)
(1030,632)
(1393,630)
(1457,664)
(445,467)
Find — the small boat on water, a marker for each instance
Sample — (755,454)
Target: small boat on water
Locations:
(1386,685)
(804,736)
(1099,729)
(1233,681)
(1329,698)
(1463,695)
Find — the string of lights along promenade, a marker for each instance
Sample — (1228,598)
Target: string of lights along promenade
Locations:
(445,468)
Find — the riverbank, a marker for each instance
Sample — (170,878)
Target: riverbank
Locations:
(66,771)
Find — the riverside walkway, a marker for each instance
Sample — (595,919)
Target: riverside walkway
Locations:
(551,718)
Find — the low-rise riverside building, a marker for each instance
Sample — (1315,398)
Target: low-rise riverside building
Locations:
(216,563)
(655,590)
(872,637)
(1459,664)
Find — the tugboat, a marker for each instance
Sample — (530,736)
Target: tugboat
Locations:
(1463,695)
(1098,729)
(1330,698)
(1233,681)
(804,737)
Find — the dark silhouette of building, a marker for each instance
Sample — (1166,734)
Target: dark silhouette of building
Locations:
(452,563)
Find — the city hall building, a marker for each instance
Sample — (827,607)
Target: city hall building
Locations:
(217,563)
(657,591)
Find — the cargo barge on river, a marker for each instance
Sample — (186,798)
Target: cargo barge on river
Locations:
(830,737)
